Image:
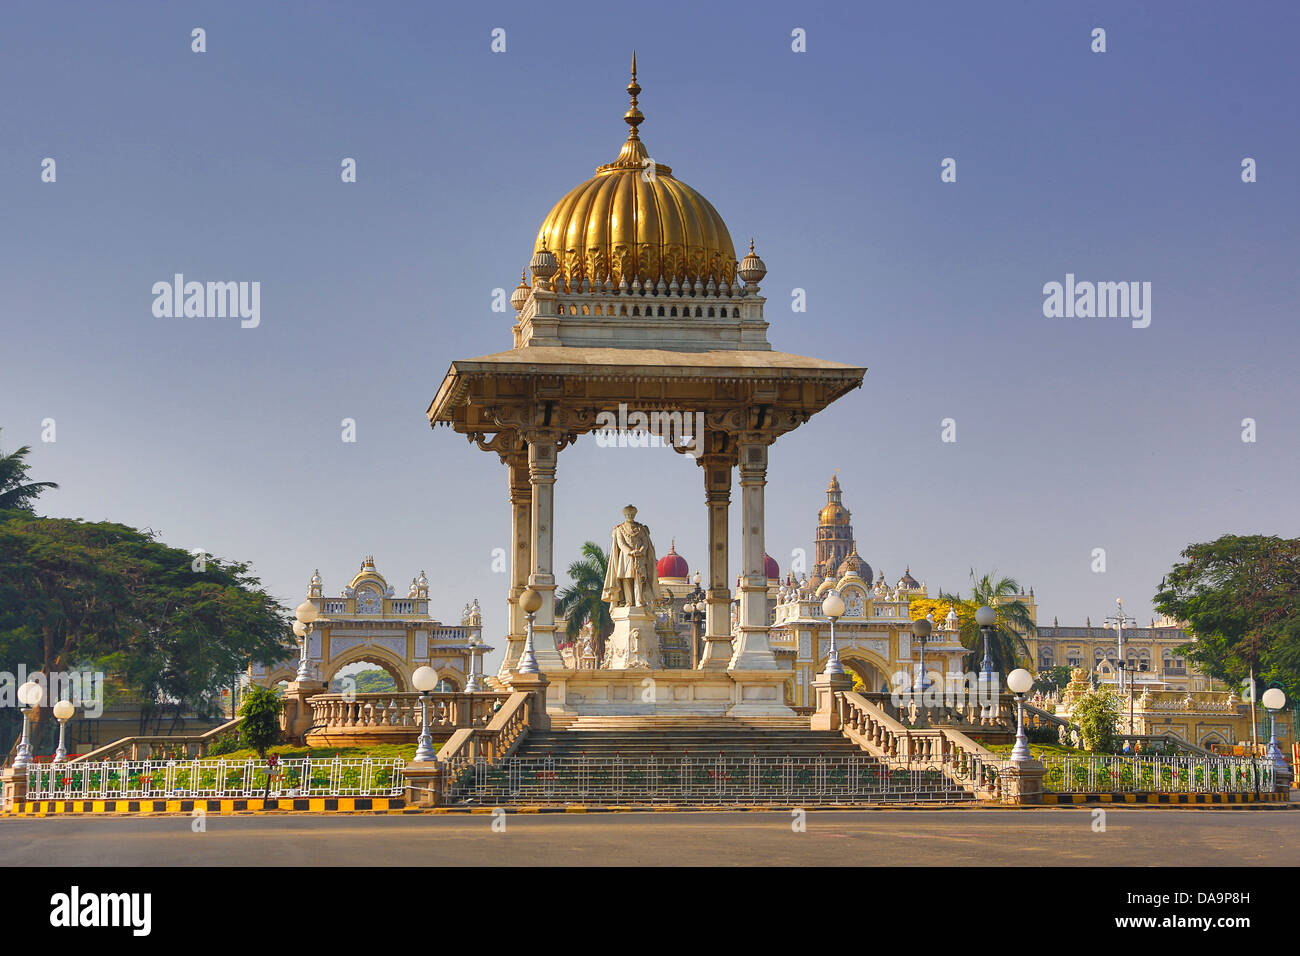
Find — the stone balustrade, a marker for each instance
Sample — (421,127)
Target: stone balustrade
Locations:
(158,747)
(361,719)
(959,758)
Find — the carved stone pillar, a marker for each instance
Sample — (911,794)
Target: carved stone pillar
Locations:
(717,463)
(543,451)
(752,651)
(521,552)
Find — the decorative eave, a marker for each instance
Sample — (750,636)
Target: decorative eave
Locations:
(705,381)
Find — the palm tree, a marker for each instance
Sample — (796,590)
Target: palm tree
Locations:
(581,603)
(15,490)
(1007,647)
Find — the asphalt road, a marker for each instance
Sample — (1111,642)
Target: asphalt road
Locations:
(1052,837)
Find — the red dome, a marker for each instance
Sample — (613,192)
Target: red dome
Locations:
(672,564)
(770,566)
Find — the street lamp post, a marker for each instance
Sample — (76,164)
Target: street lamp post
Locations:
(531,601)
(1122,665)
(694,610)
(1117,621)
(424,679)
(833,608)
(63,711)
(985,617)
(921,629)
(1018,682)
(1274,700)
(30,696)
(306,614)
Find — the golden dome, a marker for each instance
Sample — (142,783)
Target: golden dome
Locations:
(635,220)
(834,513)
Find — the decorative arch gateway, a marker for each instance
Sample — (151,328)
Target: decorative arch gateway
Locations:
(368,621)
(710,385)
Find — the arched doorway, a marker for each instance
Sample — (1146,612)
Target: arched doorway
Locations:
(365,661)
(868,673)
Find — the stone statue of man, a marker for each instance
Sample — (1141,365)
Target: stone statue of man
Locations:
(631,579)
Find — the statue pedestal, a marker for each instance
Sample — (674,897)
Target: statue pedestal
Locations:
(634,645)
(605,698)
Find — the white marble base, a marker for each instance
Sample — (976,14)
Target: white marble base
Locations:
(634,645)
(661,693)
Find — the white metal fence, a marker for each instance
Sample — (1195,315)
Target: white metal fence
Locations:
(183,779)
(702,780)
(1098,773)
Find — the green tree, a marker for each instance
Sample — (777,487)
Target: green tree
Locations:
(1052,678)
(1239,596)
(16,492)
(155,620)
(373,680)
(260,728)
(581,602)
(1007,647)
(1097,714)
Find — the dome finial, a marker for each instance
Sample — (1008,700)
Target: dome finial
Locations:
(633,116)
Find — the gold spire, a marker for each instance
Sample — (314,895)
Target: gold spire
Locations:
(633,116)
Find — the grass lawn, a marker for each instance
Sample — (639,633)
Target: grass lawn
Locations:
(380,752)
(1041,750)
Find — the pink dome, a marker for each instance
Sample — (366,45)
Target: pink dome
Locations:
(770,566)
(672,564)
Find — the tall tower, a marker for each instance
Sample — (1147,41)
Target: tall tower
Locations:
(834,532)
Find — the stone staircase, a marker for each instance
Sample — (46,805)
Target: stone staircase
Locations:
(704,764)
(703,742)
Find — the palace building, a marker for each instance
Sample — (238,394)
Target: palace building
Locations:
(1151,653)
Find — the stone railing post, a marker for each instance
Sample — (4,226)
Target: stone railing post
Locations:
(534,684)
(826,689)
(297,719)
(15,786)
(1022,782)
(423,783)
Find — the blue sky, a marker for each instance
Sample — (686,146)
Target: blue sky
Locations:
(1072,434)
